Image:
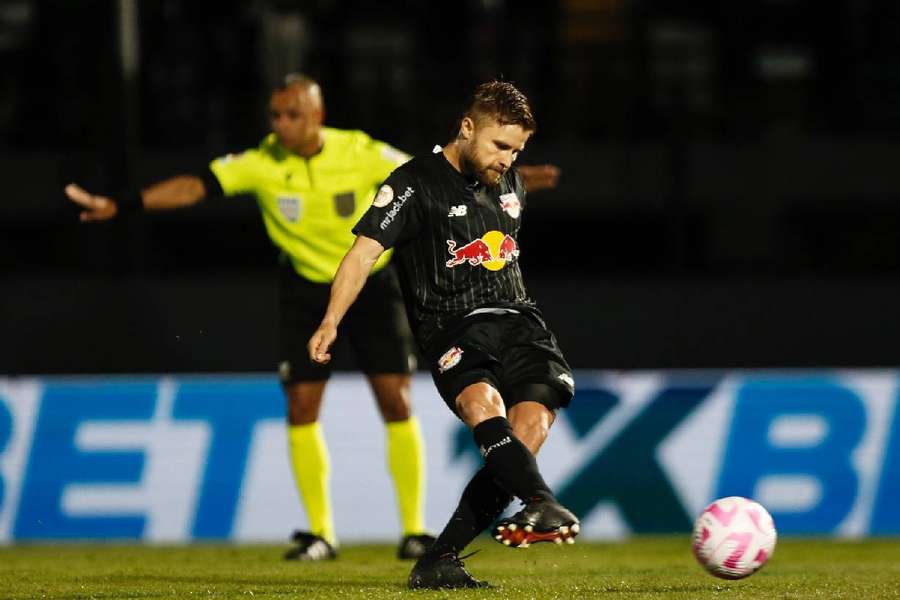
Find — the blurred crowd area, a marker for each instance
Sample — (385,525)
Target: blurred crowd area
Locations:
(700,137)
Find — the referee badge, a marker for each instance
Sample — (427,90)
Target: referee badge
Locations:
(289,207)
(450,359)
(345,204)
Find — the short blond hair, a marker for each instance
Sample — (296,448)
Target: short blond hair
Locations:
(502,102)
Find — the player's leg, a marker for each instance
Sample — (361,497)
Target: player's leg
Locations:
(304,383)
(483,499)
(488,492)
(543,520)
(378,330)
(511,463)
(538,383)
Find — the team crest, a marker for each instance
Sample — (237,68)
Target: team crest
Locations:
(511,205)
(289,207)
(450,359)
(383,197)
(344,204)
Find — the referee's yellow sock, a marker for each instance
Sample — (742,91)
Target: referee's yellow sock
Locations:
(310,464)
(406,461)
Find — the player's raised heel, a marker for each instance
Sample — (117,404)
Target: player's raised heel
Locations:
(540,521)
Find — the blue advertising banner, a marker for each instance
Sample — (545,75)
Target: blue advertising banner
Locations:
(191,458)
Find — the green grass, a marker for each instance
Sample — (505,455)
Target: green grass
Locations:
(640,568)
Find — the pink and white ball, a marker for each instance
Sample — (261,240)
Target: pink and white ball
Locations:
(734,537)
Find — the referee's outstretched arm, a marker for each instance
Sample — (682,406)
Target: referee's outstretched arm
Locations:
(539,177)
(176,192)
(348,282)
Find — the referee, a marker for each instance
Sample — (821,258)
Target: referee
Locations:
(453,218)
(310,182)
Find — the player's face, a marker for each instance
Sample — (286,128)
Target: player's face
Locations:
(491,148)
(296,115)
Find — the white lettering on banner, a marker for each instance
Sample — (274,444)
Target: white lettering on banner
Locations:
(207,457)
(21,398)
(792,493)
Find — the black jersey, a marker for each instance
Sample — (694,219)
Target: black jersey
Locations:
(455,241)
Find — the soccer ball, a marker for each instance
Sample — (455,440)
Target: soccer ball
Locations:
(734,537)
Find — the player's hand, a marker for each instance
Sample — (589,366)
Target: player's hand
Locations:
(321,342)
(539,177)
(96,208)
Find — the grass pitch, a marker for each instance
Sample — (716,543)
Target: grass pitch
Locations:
(660,567)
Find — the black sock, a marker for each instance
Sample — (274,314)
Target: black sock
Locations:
(481,503)
(510,463)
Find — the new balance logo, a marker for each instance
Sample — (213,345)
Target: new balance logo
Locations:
(457,211)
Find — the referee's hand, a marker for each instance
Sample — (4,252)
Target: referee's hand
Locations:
(97,208)
(321,342)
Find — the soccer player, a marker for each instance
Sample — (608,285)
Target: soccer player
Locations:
(312,184)
(453,218)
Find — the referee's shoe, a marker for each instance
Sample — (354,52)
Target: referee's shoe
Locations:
(541,520)
(310,547)
(414,546)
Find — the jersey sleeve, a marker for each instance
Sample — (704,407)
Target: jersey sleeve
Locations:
(236,173)
(394,215)
(381,158)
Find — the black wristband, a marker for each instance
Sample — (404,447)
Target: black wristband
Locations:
(131,202)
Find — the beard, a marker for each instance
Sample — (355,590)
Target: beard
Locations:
(485,175)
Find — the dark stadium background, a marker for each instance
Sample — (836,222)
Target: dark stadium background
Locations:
(729,195)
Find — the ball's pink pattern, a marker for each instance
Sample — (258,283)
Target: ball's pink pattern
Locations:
(733,537)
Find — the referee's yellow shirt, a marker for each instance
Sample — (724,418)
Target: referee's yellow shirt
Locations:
(310,205)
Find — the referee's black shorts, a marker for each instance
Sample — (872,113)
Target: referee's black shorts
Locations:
(513,352)
(375,327)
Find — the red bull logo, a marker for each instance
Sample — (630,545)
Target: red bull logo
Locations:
(492,251)
(450,359)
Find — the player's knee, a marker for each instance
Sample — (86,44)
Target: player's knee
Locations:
(479,402)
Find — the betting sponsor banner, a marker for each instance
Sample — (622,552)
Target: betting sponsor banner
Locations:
(176,459)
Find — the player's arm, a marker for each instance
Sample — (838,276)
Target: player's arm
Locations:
(348,282)
(172,193)
(539,177)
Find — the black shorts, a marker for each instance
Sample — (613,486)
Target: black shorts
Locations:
(513,352)
(375,326)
